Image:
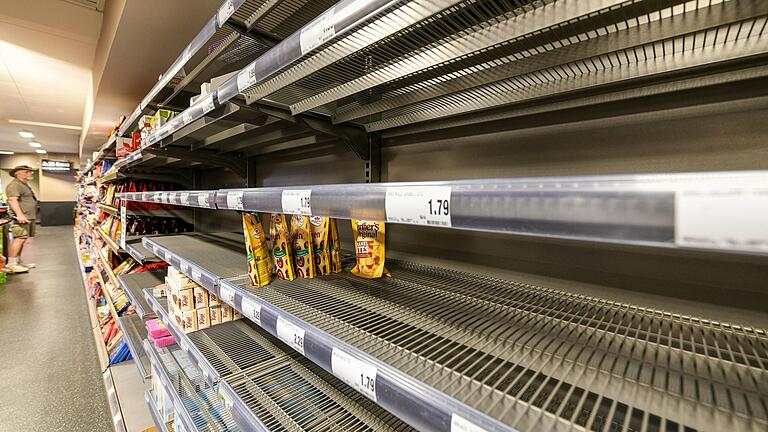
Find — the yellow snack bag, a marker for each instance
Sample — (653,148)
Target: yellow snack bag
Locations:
(369,249)
(301,234)
(281,247)
(259,261)
(322,255)
(335,246)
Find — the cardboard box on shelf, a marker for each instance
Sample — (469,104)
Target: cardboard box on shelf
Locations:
(213,300)
(226,313)
(201,297)
(203,318)
(215,315)
(186,299)
(189,319)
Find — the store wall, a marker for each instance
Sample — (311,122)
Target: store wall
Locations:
(56,191)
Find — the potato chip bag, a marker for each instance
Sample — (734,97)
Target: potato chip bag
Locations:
(320,244)
(301,234)
(281,247)
(369,249)
(335,244)
(259,261)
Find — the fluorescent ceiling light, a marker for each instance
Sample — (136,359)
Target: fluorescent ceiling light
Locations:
(6,152)
(34,144)
(41,151)
(26,134)
(53,125)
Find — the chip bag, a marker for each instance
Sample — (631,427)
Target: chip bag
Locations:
(320,244)
(369,249)
(259,261)
(301,234)
(335,246)
(281,247)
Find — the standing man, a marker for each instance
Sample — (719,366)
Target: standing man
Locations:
(23,203)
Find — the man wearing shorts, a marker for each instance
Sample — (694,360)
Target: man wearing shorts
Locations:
(23,203)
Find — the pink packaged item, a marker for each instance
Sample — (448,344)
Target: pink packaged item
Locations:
(156,329)
(164,341)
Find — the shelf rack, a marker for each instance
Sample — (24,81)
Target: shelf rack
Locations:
(527,356)
(133,285)
(138,251)
(108,209)
(267,387)
(715,211)
(155,412)
(111,243)
(134,332)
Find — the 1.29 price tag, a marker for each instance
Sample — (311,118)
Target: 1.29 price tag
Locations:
(358,374)
(422,205)
(297,201)
(291,334)
(251,310)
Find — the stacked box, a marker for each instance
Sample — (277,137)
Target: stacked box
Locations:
(191,306)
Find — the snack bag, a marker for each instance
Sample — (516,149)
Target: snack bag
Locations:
(320,237)
(281,247)
(369,249)
(335,246)
(301,234)
(259,261)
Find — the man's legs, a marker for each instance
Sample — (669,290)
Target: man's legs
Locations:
(19,238)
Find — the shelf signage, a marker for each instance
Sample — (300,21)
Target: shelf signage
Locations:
(225,11)
(123,223)
(460,424)
(358,374)
(227,294)
(51,165)
(184,198)
(202,200)
(419,205)
(235,200)
(208,104)
(291,334)
(246,77)
(251,310)
(318,32)
(297,201)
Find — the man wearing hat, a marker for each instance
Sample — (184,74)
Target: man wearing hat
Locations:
(23,203)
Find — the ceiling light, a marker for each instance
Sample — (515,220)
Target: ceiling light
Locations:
(41,151)
(53,125)
(26,134)
(34,144)
(2,152)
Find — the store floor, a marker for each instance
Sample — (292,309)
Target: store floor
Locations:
(49,370)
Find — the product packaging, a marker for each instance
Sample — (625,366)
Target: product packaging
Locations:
(186,299)
(369,249)
(281,247)
(301,235)
(257,250)
(226,313)
(189,320)
(215,315)
(203,318)
(213,300)
(335,245)
(201,297)
(320,244)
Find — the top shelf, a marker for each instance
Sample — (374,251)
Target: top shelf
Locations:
(711,211)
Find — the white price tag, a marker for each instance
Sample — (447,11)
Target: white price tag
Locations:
(246,77)
(424,205)
(187,55)
(208,104)
(186,118)
(318,32)
(196,275)
(291,334)
(358,374)
(202,200)
(251,310)
(227,294)
(724,218)
(184,198)
(225,11)
(184,267)
(235,200)
(460,424)
(297,201)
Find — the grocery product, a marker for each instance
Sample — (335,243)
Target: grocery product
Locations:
(369,249)
(257,250)
(281,247)
(320,244)
(301,236)
(335,245)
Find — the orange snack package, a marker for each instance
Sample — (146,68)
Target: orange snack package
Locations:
(257,250)
(369,249)
(301,234)
(281,247)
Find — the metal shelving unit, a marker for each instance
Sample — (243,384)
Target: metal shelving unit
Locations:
(155,412)
(137,251)
(133,285)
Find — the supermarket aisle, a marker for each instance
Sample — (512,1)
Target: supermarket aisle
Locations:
(50,380)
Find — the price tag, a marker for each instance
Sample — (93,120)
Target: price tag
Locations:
(246,77)
(723,218)
(291,334)
(184,267)
(184,198)
(225,11)
(425,205)
(460,424)
(225,400)
(318,32)
(297,201)
(196,275)
(227,293)
(208,104)
(123,223)
(202,200)
(251,310)
(358,374)
(235,200)
(186,118)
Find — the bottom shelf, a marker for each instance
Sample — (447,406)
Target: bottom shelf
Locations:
(154,411)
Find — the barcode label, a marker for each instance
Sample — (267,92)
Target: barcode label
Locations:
(225,11)
(202,200)
(184,198)
(235,200)
(208,104)
(246,77)
(227,294)
(358,374)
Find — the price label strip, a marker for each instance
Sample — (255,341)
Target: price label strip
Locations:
(202,200)
(297,201)
(460,424)
(196,275)
(291,334)
(208,104)
(251,310)
(246,78)
(424,205)
(320,31)
(184,198)
(358,374)
(186,118)
(235,200)
(227,294)
(122,223)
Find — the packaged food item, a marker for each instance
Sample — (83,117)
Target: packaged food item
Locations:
(320,244)
(186,299)
(257,250)
(226,313)
(203,318)
(236,315)
(189,320)
(281,247)
(335,245)
(201,297)
(369,249)
(301,234)
(215,315)
(213,300)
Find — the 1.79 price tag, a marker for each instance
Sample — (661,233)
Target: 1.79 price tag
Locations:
(291,334)
(297,201)
(358,374)
(422,205)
